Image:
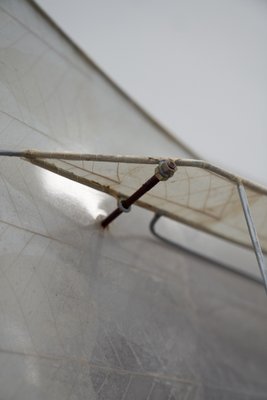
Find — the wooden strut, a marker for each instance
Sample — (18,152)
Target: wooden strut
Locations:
(163,171)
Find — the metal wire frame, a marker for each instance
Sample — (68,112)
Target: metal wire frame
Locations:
(181,248)
(33,156)
(252,232)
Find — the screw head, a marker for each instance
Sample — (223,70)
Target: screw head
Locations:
(165,169)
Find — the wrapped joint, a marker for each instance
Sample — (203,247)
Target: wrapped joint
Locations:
(122,207)
(165,170)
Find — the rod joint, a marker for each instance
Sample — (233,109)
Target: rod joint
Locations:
(165,169)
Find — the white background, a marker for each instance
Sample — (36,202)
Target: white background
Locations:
(200,67)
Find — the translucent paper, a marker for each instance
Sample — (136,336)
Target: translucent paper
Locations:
(199,194)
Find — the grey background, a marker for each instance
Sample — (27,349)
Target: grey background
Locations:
(198,66)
